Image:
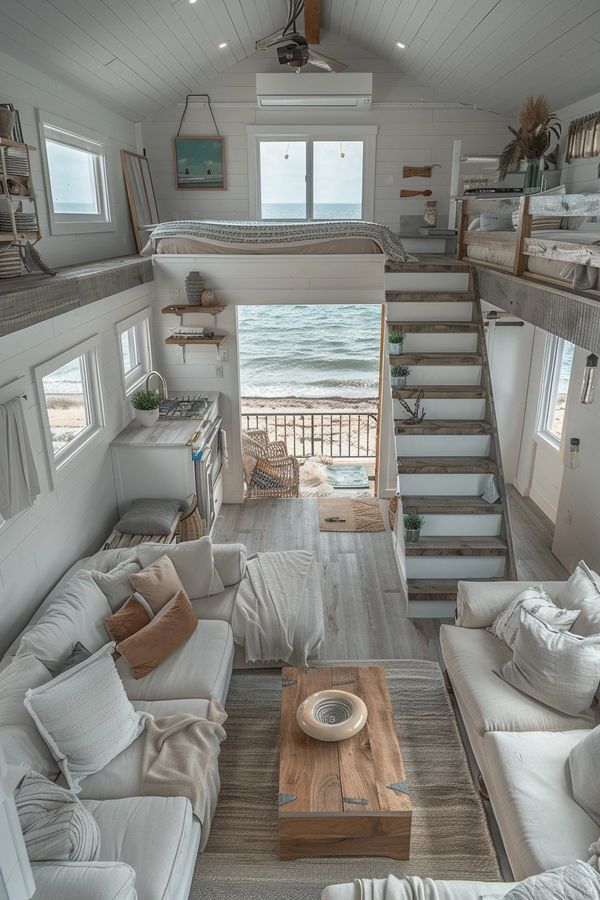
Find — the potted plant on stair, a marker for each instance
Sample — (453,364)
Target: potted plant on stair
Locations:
(395,341)
(146,405)
(413,523)
(399,375)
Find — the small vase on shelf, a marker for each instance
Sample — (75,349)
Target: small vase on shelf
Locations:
(194,285)
(533,176)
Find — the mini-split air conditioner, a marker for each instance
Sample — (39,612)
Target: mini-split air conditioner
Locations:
(342,90)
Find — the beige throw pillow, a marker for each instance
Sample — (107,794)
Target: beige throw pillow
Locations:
(534,600)
(157,583)
(557,668)
(167,631)
(115,584)
(582,591)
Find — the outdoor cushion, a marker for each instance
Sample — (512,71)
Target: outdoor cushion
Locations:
(122,777)
(527,777)
(200,668)
(153,835)
(472,657)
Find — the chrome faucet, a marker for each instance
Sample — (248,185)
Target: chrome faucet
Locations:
(162,393)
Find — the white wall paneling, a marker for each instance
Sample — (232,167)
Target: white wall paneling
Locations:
(72,518)
(30,90)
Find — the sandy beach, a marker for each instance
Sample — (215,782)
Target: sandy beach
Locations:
(308,404)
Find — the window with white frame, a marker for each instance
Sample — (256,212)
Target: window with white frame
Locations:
(76,182)
(70,399)
(558,362)
(135,350)
(312,174)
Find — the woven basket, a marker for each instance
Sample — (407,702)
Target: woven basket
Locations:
(11,264)
(191,526)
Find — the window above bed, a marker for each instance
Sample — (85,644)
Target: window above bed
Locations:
(312,173)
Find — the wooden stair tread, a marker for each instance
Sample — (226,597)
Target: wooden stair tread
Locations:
(436,327)
(441,391)
(457,546)
(427,358)
(443,426)
(437,589)
(450,505)
(429,297)
(442,465)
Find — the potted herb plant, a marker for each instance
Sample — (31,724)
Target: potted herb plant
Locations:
(395,341)
(399,376)
(147,406)
(413,523)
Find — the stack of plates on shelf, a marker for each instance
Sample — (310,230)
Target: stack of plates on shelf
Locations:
(17,162)
(10,263)
(23,221)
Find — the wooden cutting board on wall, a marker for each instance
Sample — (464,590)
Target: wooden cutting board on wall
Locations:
(416,172)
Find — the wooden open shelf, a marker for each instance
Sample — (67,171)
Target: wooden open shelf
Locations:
(179,309)
(216,339)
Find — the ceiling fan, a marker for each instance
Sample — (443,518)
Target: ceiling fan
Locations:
(293,48)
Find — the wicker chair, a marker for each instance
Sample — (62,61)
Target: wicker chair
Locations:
(269,471)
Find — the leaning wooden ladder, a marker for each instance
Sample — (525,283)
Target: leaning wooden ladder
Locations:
(446,461)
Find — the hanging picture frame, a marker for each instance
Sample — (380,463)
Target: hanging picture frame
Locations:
(199,163)
(17,131)
(143,208)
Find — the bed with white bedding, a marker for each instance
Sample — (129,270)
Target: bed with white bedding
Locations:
(347,236)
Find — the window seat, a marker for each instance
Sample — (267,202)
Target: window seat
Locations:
(30,299)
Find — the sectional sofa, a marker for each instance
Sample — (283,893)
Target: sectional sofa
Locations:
(149,845)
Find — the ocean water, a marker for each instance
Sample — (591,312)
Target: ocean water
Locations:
(309,351)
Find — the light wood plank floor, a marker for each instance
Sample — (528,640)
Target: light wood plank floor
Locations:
(365,610)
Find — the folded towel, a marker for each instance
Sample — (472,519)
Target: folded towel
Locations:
(19,483)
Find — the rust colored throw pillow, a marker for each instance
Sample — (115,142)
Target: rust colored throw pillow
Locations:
(157,583)
(126,621)
(167,631)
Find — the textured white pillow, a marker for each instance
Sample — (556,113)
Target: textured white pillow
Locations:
(115,584)
(535,600)
(557,668)
(193,561)
(582,591)
(19,737)
(85,716)
(584,763)
(77,613)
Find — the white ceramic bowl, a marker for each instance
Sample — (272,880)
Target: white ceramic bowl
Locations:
(332,715)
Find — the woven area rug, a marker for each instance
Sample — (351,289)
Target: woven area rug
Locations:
(450,837)
(350,514)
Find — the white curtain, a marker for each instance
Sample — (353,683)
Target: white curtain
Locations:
(19,483)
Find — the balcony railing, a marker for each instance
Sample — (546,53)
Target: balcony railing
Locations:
(345,434)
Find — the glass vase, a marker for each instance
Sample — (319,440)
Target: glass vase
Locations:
(533,176)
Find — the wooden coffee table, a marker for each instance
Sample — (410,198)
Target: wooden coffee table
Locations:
(347,798)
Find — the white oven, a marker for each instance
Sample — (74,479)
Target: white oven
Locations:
(209,460)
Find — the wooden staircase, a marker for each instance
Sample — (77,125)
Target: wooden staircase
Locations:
(445,462)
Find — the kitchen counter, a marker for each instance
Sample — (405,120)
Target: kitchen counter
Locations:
(166,432)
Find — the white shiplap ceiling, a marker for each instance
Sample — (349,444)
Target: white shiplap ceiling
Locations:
(140,55)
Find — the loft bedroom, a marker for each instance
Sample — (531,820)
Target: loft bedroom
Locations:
(299,532)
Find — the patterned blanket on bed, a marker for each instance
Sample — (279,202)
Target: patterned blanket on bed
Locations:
(276,235)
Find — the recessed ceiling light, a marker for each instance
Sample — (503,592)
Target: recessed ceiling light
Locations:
(192,1)
(223,44)
(398,43)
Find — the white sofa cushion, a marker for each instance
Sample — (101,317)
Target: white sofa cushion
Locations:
(230,562)
(442,890)
(535,600)
(200,668)
(479,602)
(19,738)
(77,613)
(84,881)
(557,668)
(193,561)
(582,591)
(487,702)
(85,717)
(153,835)
(584,766)
(122,777)
(527,777)
(115,584)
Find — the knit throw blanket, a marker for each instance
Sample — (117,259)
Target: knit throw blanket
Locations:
(259,233)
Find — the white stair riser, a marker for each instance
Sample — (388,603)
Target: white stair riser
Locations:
(437,525)
(434,312)
(427,281)
(423,342)
(444,375)
(442,445)
(445,409)
(470,485)
(475,567)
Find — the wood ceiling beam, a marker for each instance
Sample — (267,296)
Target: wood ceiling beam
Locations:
(312,21)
